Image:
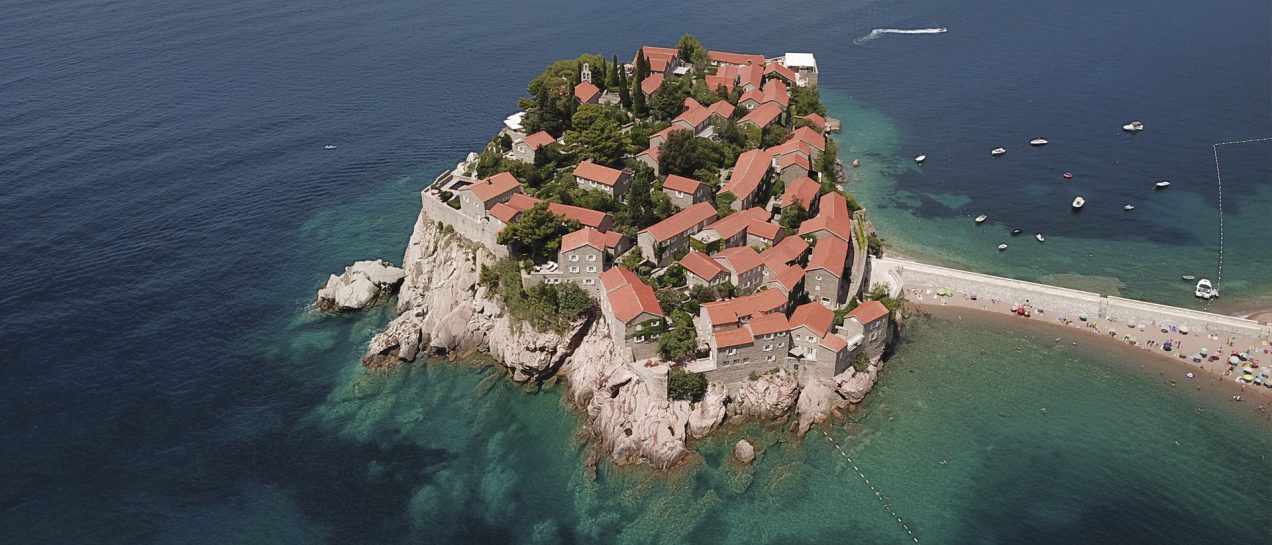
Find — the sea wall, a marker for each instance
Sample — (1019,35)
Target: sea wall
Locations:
(482,231)
(1056,301)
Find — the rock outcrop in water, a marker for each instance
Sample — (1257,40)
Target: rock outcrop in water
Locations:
(361,285)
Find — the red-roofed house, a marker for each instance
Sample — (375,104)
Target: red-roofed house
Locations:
(750,76)
(826,279)
(725,60)
(582,258)
(657,139)
(786,281)
(611,181)
(802,191)
(745,267)
(701,270)
(650,85)
(775,70)
(749,178)
(813,342)
(587,93)
(788,250)
(632,311)
(662,60)
(725,76)
(477,199)
(601,221)
(792,166)
(720,315)
(776,92)
(832,219)
(650,158)
(721,111)
(762,116)
(685,192)
(874,319)
(810,136)
(816,120)
(660,242)
(751,99)
(696,119)
(524,148)
(761,234)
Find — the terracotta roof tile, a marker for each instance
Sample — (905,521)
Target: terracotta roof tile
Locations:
(538,140)
(750,74)
(722,108)
(810,136)
(775,91)
(868,311)
(740,260)
(763,115)
(585,216)
(702,266)
(651,84)
(801,190)
(740,59)
(731,225)
(681,221)
(775,68)
(769,323)
(786,251)
(586,236)
(613,239)
(748,172)
(789,278)
(830,254)
(832,216)
(834,342)
(522,202)
(585,91)
(730,338)
(814,316)
(628,296)
(732,310)
(764,230)
(494,186)
(754,94)
(504,213)
(682,184)
(816,120)
(597,173)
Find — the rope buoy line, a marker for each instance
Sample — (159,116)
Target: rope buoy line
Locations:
(878,493)
(1219,180)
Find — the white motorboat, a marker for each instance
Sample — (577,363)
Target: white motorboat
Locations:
(1002,247)
(1162,184)
(981,219)
(1128,207)
(1078,202)
(1205,290)
(1134,126)
(921,157)
(1040,237)
(998,151)
(329,146)
(1038,142)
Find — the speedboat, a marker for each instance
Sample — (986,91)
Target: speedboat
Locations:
(1205,290)
(1067,175)
(1078,202)
(1162,184)
(1128,207)
(1002,247)
(329,146)
(1040,237)
(1038,142)
(1015,232)
(981,219)
(998,151)
(921,157)
(1134,126)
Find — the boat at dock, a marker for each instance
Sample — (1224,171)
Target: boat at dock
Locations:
(1040,237)
(1134,126)
(998,151)
(1038,142)
(1205,290)
(981,219)
(920,158)
(1078,202)
(1162,184)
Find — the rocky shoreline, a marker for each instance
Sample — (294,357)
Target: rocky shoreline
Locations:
(444,311)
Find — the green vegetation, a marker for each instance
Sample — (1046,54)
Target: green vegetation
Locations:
(860,363)
(806,100)
(536,233)
(641,210)
(684,154)
(724,203)
(686,386)
(792,217)
(681,341)
(691,51)
(879,292)
(547,307)
(598,133)
(826,166)
(874,245)
(668,102)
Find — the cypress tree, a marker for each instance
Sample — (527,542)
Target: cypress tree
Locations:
(611,77)
(624,90)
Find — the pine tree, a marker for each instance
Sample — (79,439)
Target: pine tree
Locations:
(642,67)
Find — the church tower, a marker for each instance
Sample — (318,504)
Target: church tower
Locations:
(586,74)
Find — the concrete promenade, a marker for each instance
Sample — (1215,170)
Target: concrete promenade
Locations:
(1058,302)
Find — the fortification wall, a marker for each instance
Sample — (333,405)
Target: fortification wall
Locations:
(483,232)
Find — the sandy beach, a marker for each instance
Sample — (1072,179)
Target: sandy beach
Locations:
(1150,338)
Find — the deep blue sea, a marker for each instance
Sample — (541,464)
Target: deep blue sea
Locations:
(168,211)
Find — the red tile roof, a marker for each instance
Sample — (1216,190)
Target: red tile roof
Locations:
(522,202)
(662,54)
(740,260)
(585,216)
(730,338)
(740,59)
(681,221)
(691,103)
(586,236)
(834,342)
(775,91)
(748,172)
(704,267)
(868,311)
(789,278)
(731,225)
(597,173)
(613,239)
(764,230)
(777,69)
(816,120)
(651,84)
(763,115)
(725,75)
(651,152)
(695,117)
(722,108)
(830,254)
(750,74)
(504,213)
(682,184)
(814,316)
(760,302)
(664,134)
(800,190)
(769,323)
(786,251)
(811,136)
(538,140)
(832,216)
(754,94)
(628,296)
(494,186)
(585,91)
(792,147)
(793,160)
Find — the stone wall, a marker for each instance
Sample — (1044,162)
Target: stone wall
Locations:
(483,232)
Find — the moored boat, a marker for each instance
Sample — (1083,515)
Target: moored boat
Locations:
(1002,247)
(1128,207)
(1038,142)
(981,219)
(1205,290)
(1162,184)
(1015,232)
(998,151)
(1067,175)
(329,146)
(1040,237)
(920,158)
(1078,202)
(1134,126)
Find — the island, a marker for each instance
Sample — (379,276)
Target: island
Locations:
(670,236)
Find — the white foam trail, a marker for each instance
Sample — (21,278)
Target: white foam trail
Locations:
(881,31)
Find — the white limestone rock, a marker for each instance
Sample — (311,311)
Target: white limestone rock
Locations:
(767,397)
(744,452)
(708,414)
(817,401)
(854,385)
(360,285)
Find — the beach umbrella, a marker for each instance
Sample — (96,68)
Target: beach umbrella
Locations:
(1204,351)
(1233,360)
(1183,329)
(1082,316)
(1247,377)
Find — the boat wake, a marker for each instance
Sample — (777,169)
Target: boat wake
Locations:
(881,31)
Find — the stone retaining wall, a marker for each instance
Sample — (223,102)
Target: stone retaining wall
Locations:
(480,231)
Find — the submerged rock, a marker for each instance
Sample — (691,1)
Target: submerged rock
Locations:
(744,452)
(361,285)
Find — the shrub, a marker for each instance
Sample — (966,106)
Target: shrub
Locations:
(686,386)
(550,307)
(860,363)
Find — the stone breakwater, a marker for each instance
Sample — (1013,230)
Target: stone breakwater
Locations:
(443,310)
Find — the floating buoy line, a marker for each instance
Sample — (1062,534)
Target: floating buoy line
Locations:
(1219,180)
(877,492)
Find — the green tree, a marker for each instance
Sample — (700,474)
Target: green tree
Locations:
(792,216)
(505,142)
(773,135)
(624,91)
(667,103)
(684,154)
(536,233)
(640,211)
(596,132)
(724,203)
(640,104)
(860,363)
(686,386)
(826,165)
(874,245)
(679,344)
(691,51)
(611,76)
(642,67)
(806,100)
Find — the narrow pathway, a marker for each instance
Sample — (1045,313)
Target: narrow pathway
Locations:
(877,492)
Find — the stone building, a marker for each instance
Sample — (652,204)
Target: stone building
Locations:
(746,269)
(826,281)
(662,241)
(632,311)
(685,192)
(611,181)
(477,199)
(701,270)
(525,148)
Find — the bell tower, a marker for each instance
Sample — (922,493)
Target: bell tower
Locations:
(586,74)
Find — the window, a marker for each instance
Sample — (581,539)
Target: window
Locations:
(825,299)
(591,257)
(780,345)
(745,360)
(591,268)
(816,287)
(640,338)
(589,281)
(574,257)
(768,348)
(574,269)
(812,339)
(731,351)
(771,358)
